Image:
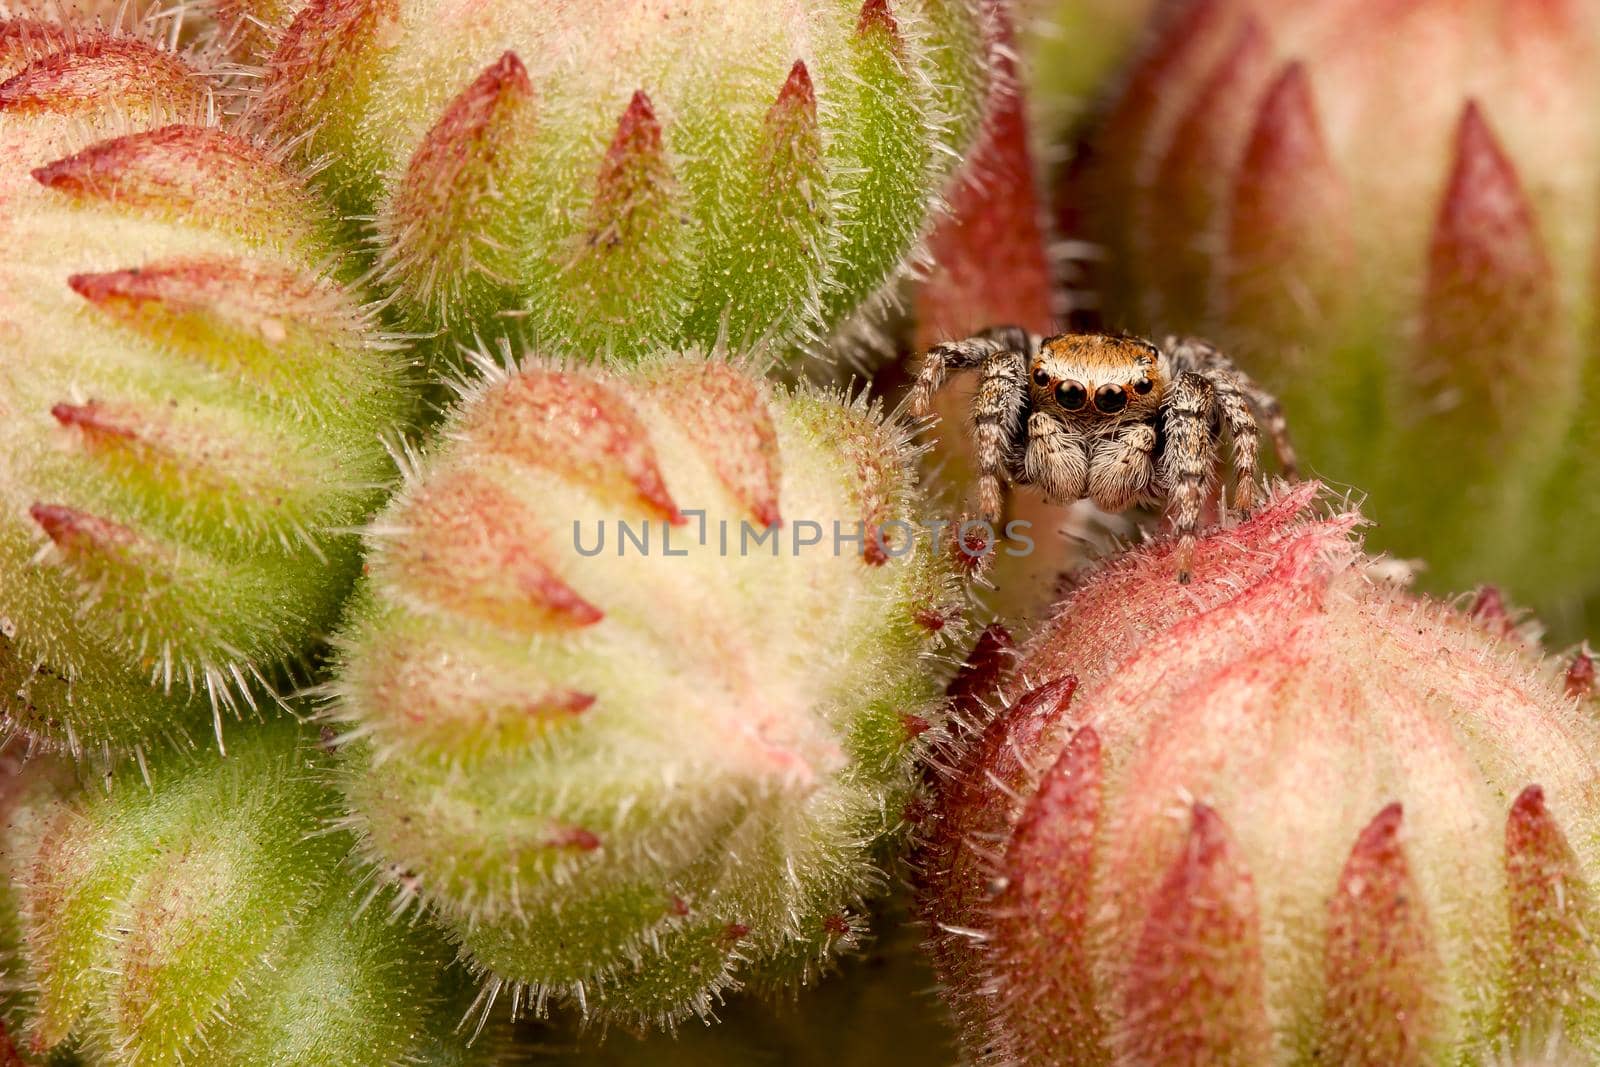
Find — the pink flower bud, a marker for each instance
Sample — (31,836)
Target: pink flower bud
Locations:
(1288,813)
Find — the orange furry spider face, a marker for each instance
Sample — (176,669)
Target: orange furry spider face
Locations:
(1088,376)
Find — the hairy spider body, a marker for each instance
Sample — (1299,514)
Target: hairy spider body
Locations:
(1115,419)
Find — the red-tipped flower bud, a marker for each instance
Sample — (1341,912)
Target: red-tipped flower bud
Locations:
(1284,813)
(639,676)
(633,175)
(191,404)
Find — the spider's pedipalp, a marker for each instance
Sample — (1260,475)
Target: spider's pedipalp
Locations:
(1054,459)
(1190,458)
(1122,467)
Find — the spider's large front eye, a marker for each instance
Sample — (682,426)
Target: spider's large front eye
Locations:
(1071,395)
(1110,398)
(1041,377)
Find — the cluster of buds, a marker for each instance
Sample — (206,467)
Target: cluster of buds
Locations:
(1388,211)
(1293,814)
(636,684)
(209,918)
(191,409)
(639,176)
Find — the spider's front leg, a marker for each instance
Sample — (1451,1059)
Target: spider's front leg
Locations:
(997,412)
(941,359)
(1189,458)
(1122,467)
(1237,395)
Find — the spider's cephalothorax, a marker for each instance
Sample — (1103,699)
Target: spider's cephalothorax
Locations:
(1114,419)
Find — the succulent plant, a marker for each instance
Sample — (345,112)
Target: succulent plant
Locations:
(638,176)
(191,406)
(210,918)
(1389,212)
(633,777)
(1292,814)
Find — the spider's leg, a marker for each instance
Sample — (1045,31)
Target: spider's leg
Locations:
(1189,458)
(1189,354)
(1277,425)
(941,359)
(1245,433)
(997,417)
(1013,338)
(1194,354)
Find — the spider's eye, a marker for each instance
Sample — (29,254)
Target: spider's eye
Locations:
(1110,398)
(1071,395)
(1041,377)
(1142,386)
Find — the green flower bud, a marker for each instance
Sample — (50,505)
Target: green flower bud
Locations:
(190,407)
(211,918)
(637,698)
(638,176)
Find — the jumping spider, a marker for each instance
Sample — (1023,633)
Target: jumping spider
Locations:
(1114,419)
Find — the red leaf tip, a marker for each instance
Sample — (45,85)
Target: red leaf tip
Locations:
(797,91)
(1383,831)
(876,16)
(983,668)
(1485,232)
(575,838)
(1580,676)
(508,70)
(1529,803)
(69,527)
(638,130)
(1287,127)
(90,418)
(1489,611)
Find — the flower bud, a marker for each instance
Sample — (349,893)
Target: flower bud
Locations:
(190,406)
(638,677)
(637,176)
(1285,814)
(1388,212)
(210,918)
